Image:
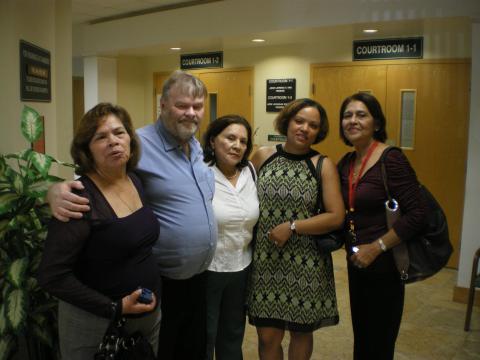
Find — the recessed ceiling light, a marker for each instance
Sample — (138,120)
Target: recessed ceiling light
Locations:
(258,40)
(370,31)
(175,48)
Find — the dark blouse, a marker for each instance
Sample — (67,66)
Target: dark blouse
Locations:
(369,215)
(101,258)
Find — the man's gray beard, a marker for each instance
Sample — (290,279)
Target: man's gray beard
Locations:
(184,134)
(179,132)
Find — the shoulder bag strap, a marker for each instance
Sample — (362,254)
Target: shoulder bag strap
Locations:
(384,170)
(252,171)
(318,173)
(400,252)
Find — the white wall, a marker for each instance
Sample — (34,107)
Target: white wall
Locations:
(131,91)
(46,24)
(470,234)
(100,80)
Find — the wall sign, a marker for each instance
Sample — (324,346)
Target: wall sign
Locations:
(201,61)
(402,48)
(278,138)
(35,74)
(279,93)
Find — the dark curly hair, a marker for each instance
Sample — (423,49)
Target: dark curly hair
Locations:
(291,109)
(215,128)
(374,108)
(86,129)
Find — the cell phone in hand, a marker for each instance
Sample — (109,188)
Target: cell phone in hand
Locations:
(146,297)
(354,249)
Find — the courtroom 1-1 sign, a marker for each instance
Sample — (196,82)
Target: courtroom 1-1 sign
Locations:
(379,49)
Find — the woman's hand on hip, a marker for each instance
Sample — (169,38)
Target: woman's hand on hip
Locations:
(130,304)
(280,234)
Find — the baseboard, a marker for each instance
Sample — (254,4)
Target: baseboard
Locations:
(460,294)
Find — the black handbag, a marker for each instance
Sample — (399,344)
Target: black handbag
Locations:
(428,253)
(119,345)
(333,240)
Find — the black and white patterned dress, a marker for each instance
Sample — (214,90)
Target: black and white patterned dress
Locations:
(291,287)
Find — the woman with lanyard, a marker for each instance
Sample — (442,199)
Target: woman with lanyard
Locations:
(376,291)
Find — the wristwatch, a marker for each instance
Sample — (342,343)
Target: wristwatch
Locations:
(382,245)
(292,226)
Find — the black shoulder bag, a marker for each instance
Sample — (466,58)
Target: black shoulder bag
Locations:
(425,255)
(333,240)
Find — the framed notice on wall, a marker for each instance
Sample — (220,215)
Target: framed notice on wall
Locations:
(35,73)
(279,93)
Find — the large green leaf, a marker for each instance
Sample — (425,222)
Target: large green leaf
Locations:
(16,272)
(39,188)
(25,154)
(43,334)
(41,162)
(32,283)
(34,219)
(3,228)
(3,321)
(7,344)
(63,163)
(7,202)
(3,164)
(15,309)
(18,184)
(5,289)
(31,124)
(5,185)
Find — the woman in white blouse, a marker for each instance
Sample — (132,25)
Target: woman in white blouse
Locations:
(227,146)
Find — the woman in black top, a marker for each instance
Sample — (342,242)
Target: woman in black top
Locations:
(96,264)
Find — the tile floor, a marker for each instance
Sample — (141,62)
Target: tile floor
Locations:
(432,326)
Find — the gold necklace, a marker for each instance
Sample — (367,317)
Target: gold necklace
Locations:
(114,186)
(231,176)
(123,201)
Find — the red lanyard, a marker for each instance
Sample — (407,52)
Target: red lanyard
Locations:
(352,186)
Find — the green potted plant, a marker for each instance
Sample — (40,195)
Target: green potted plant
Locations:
(25,310)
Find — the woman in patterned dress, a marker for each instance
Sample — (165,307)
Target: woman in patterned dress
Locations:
(292,285)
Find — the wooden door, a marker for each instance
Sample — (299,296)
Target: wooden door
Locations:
(78,100)
(230,92)
(440,128)
(332,84)
(158,80)
(439,151)
(231,88)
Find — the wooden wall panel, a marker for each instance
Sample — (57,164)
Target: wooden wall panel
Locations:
(441,124)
